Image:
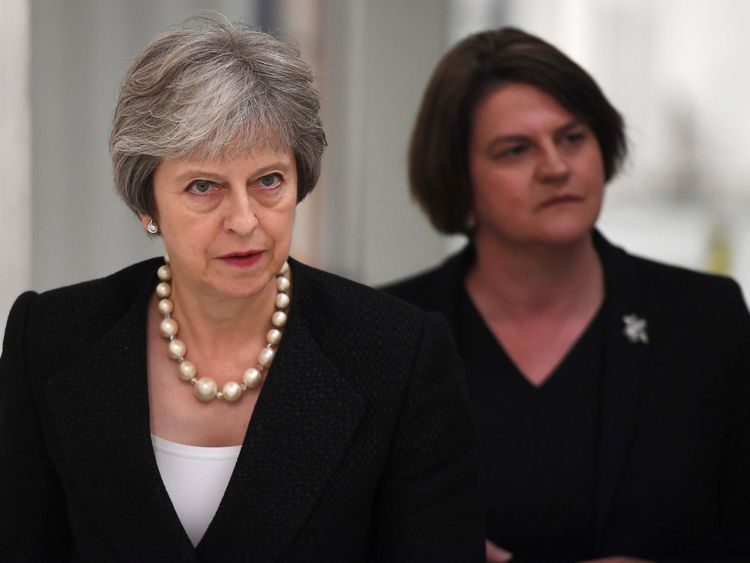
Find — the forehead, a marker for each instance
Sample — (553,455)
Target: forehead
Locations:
(249,161)
(223,145)
(516,109)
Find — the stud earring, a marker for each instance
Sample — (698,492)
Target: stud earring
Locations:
(470,223)
(152,227)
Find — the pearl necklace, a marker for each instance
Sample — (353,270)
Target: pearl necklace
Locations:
(206,388)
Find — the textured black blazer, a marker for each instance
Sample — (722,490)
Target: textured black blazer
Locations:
(674,464)
(361,446)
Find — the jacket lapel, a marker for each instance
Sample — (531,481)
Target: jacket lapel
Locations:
(303,421)
(625,371)
(99,406)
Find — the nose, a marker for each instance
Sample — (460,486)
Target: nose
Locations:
(553,167)
(241,216)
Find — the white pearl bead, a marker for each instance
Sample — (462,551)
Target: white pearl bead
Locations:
(231,391)
(187,370)
(282,300)
(278,319)
(273,336)
(284,268)
(282,283)
(252,378)
(168,327)
(205,389)
(166,258)
(176,349)
(265,357)
(164,272)
(163,290)
(166,306)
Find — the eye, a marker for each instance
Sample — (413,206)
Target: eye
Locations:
(200,186)
(270,181)
(513,151)
(574,137)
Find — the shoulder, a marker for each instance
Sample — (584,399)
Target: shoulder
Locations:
(685,288)
(65,317)
(110,295)
(432,288)
(697,311)
(698,302)
(331,299)
(364,330)
(112,289)
(666,284)
(389,353)
(413,288)
(689,281)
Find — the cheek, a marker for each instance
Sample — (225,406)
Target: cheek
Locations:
(594,165)
(188,238)
(596,183)
(281,223)
(484,181)
(494,188)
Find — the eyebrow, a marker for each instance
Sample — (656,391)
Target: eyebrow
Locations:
(199,172)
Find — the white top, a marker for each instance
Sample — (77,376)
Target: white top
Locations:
(195,478)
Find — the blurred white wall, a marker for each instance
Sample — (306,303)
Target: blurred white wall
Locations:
(373,67)
(15,153)
(674,67)
(677,71)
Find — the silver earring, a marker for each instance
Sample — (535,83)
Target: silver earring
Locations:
(152,227)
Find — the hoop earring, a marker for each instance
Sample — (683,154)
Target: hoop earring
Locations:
(152,227)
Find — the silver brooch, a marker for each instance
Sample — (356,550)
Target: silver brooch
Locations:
(636,329)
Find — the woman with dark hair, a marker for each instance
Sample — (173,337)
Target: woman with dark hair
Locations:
(612,393)
(228,403)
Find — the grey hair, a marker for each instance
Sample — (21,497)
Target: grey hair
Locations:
(206,89)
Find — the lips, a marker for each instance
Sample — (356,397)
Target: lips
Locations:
(560,199)
(242,258)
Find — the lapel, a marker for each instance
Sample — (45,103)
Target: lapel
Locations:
(625,371)
(302,424)
(99,406)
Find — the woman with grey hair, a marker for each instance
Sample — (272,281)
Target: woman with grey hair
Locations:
(228,403)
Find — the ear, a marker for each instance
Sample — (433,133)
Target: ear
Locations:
(144,220)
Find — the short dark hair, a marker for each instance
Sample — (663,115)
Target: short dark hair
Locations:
(438,153)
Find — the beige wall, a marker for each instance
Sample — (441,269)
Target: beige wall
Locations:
(372,59)
(15,153)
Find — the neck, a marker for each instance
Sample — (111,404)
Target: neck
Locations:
(219,324)
(522,282)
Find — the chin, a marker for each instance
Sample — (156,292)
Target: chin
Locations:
(564,235)
(234,289)
(241,284)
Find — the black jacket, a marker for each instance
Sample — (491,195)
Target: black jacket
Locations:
(674,464)
(361,445)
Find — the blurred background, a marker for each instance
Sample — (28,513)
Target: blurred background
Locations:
(676,69)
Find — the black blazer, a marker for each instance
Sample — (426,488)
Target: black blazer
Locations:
(361,445)
(674,465)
